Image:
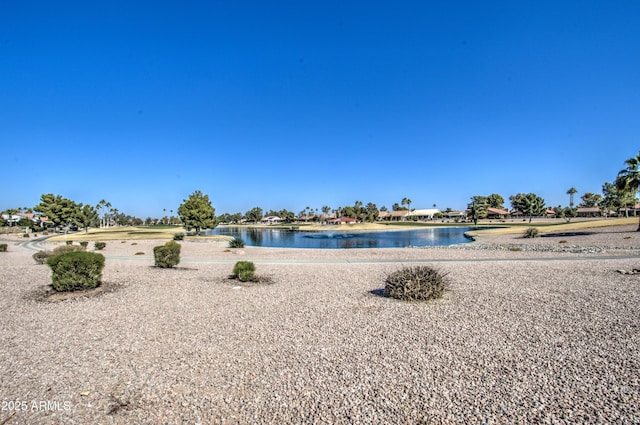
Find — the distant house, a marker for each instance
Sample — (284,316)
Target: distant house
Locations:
(456,215)
(631,212)
(272,219)
(423,214)
(343,220)
(393,215)
(589,212)
(497,213)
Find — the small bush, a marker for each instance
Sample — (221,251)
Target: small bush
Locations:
(76,270)
(69,242)
(562,241)
(84,244)
(167,255)
(25,235)
(244,271)
(418,283)
(139,253)
(99,245)
(236,243)
(178,236)
(66,248)
(531,232)
(3,247)
(41,257)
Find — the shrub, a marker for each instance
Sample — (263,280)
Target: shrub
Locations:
(418,283)
(84,244)
(244,271)
(139,253)
(25,235)
(236,243)
(167,255)
(3,247)
(41,257)
(531,232)
(99,245)
(76,270)
(178,236)
(66,248)
(69,242)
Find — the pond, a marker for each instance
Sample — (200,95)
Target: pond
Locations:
(339,238)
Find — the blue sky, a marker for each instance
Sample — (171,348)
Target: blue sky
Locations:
(288,104)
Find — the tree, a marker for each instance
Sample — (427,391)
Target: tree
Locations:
(614,199)
(528,204)
(286,215)
(371,212)
(407,202)
(495,201)
(254,214)
(197,212)
(61,211)
(478,208)
(591,200)
(572,191)
(325,211)
(628,179)
(86,216)
(566,213)
(102,209)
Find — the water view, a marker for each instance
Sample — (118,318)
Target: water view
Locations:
(329,239)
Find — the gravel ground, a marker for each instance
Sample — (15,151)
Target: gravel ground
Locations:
(530,331)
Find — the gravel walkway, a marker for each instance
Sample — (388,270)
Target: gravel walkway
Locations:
(530,331)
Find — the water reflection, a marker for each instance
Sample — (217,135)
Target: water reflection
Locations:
(283,238)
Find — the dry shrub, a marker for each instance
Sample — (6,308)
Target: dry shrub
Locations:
(417,283)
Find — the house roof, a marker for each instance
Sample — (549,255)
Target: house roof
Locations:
(343,220)
(425,211)
(498,211)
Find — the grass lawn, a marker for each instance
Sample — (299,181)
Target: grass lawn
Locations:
(127,233)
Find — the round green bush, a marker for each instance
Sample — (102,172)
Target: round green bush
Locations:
(417,283)
(3,247)
(167,255)
(531,232)
(76,270)
(178,236)
(244,271)
(99,245)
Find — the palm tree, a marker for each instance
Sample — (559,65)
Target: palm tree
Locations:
(628,180)
(572,191)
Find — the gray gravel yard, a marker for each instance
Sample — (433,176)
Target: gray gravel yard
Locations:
(530,331)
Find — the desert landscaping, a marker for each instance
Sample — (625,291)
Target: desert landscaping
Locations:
(541,330)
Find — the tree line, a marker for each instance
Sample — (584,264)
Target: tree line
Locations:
(197,213)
